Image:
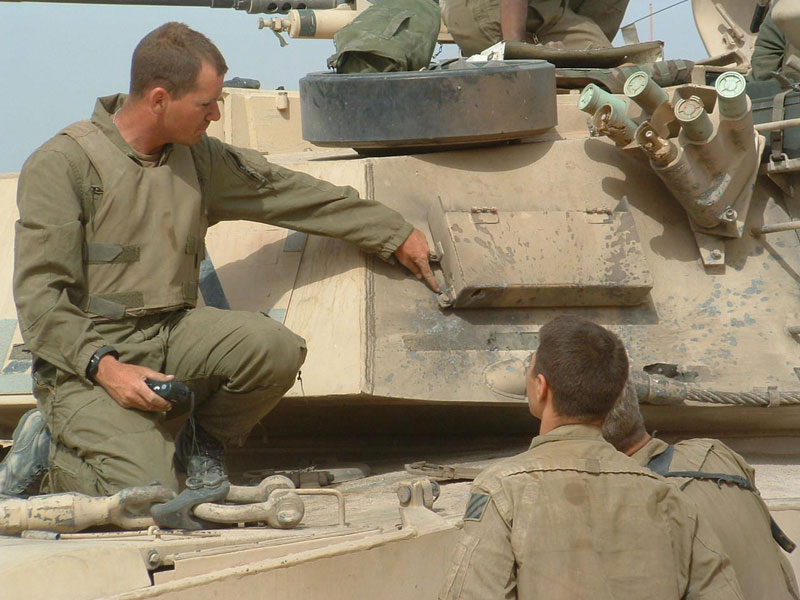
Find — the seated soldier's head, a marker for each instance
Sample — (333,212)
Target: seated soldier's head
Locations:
(579,369)
(624,426)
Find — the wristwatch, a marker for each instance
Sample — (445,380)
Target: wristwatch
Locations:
(94,362)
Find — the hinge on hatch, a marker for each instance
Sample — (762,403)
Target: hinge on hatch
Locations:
(485,215)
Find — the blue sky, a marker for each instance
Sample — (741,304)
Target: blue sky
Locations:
(55,59)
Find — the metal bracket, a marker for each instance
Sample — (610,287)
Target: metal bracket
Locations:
(485,215)
(416,503)
(442,472)
(712,249)
(495,52)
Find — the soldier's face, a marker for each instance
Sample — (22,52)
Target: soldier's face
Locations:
(188,117)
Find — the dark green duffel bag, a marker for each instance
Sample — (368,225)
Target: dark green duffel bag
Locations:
(391,35)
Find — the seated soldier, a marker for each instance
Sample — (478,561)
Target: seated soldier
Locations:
(722,486)
(578,25)
(572,518)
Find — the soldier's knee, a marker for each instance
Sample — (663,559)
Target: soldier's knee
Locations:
(275,351)
(104,475)
(286,362)
(115,475)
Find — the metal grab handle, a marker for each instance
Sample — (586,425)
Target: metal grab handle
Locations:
(339,500)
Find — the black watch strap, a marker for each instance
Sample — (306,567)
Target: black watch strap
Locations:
(94,362)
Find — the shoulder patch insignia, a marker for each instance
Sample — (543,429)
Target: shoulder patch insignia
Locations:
(476,506)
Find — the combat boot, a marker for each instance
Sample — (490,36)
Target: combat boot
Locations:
(201,456)
(22,468)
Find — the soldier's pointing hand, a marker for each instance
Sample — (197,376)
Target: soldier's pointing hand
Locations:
(413,255)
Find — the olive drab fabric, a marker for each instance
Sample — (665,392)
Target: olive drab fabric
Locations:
(145,219)
(772,53)
(607,14)
(238,363)
(390,35)
(573,519)
(56,199)
(95,220)
(475,24)
(739,517)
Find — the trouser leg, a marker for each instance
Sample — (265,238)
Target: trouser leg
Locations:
(475,25)
(575,31)
(98,447)
(239,363)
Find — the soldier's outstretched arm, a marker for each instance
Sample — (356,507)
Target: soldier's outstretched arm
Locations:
(239,183)
(483,566)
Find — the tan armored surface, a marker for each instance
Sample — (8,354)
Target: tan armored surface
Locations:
(566,221)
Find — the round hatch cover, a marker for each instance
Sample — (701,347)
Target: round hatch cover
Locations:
(429,110)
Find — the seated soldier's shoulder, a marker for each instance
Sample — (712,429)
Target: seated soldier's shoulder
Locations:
(579,456)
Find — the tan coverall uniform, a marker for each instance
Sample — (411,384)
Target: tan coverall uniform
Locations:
(107,253)
(739,517)
(573,519)
(578,24)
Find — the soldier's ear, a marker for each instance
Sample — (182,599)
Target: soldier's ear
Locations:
(542,387)
(157,99)
(537,391)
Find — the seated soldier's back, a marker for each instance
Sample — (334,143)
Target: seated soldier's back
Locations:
(588,522)
(739,517)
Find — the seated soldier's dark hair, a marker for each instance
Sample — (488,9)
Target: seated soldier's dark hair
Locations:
(585,365)
(624,425)
(171,57)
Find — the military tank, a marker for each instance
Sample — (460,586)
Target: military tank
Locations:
(665,213)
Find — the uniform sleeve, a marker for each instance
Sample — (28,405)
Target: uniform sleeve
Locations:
(768,50)
(788,575)
(240,184)
(711,575)
(48,264)
(483,565)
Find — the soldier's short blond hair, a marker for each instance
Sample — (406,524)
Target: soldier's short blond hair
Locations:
(171,57)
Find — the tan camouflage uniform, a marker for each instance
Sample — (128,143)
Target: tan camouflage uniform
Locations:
(739,517)
(574,519)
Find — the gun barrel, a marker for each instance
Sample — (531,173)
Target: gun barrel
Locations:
(205,3)
(251,6)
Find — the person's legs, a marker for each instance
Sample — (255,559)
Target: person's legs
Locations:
(474,24)
(575,31)
(240,364)
(98,447)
